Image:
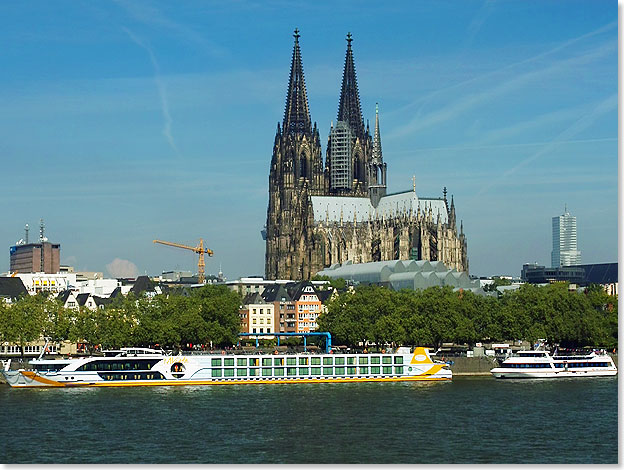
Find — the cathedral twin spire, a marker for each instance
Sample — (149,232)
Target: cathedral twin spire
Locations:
(297,113)
(349,109)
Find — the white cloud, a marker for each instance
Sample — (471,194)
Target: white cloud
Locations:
(122,268)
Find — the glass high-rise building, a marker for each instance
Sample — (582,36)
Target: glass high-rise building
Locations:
(565,249)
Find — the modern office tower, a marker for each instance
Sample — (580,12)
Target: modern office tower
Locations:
(565,250)
(41,257)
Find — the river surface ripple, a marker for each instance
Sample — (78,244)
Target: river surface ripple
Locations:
(468,420)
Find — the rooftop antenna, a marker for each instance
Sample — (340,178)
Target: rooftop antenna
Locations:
(41,230)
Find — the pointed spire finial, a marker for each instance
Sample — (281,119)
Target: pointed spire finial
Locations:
(297,113)
(414,182)
(349,108)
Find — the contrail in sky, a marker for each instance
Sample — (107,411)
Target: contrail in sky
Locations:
(576,127)
(162,90)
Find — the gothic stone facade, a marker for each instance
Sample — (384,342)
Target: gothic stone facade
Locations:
(322,214)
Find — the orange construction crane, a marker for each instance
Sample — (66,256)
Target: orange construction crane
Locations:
(197,249)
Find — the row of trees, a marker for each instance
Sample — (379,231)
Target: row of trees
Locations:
(209,314)
(368,313)
(438,314)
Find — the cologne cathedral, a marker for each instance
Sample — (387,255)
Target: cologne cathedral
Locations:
(321,214)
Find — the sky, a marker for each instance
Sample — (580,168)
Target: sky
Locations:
(128,121)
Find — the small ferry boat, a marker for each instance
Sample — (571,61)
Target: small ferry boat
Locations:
(540,365)
(143,366)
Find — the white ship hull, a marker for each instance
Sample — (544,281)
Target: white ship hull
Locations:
(158,370)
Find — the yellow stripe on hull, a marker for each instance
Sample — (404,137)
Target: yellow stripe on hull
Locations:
(146,383)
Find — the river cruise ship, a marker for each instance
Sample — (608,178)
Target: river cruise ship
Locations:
(541,365)
(142,366)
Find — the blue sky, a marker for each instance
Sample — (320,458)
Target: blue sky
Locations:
(124,121)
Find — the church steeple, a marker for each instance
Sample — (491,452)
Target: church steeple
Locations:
(297,114)
(349,109)
(377,157)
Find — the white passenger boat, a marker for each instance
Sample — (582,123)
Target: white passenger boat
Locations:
(141,366)
(540,365)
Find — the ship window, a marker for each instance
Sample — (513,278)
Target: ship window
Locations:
(216,372)
(351,361)
(340,361)
(304,371)
(278,371)
(216,362)
(241,362)
(253,361)
(266,361)
(228,361)
(315,371)
(291,371)
(266,372)
(228,372)
(241,372)
(387,359)
(398,369)
(291,361)
(387,369)
(340,371)
(254,372)
(374,370)
(278,361)
(351,370)
(327,370)
(375,360)
(303,361)
(398,359)
(316,361)
(363,370)
(364,360)
(328,361)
